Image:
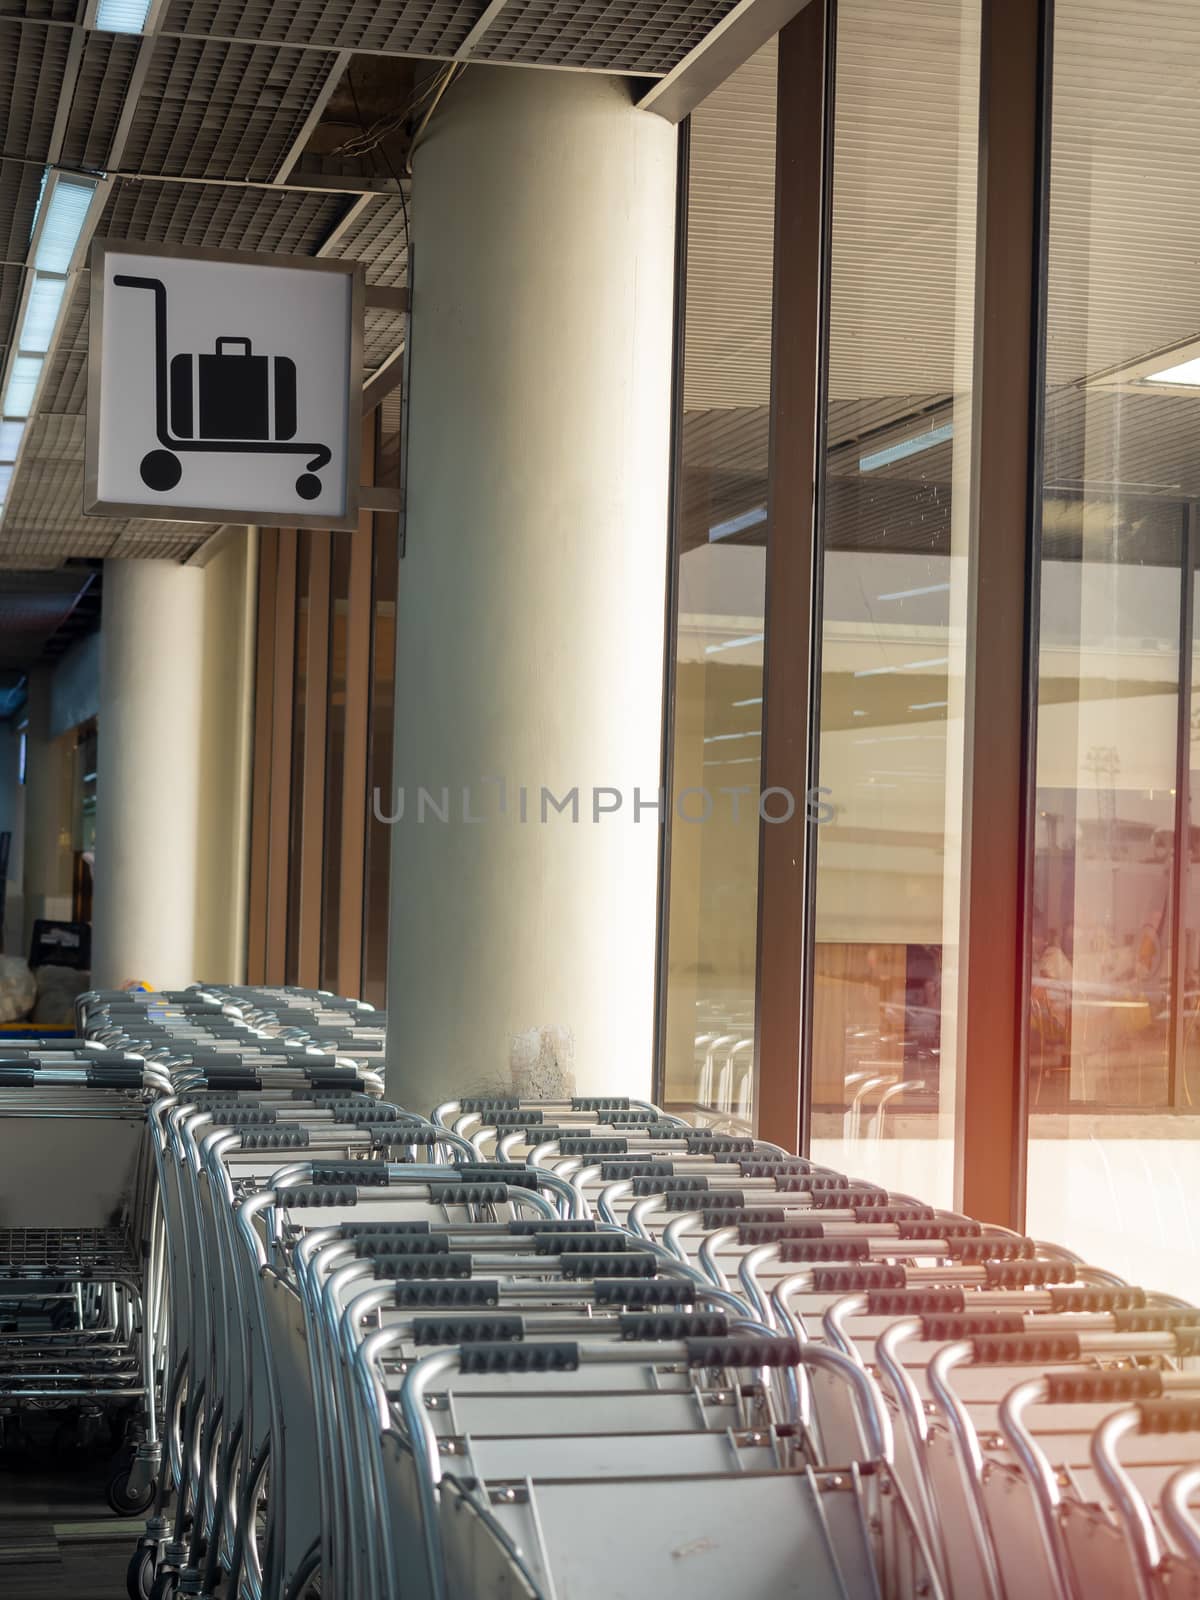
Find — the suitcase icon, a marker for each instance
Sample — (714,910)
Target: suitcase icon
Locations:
(228,401)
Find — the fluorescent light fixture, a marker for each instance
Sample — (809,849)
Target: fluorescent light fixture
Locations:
(41,312)
(733,644)
(930,705)
(121,16)
(1186,372)
(748,519)
(757,701)
(22,385)
(717,738)
(5,479)
(66,212)
(903,448)
(10,439)
(911,594)
(905,666)
(859,713)
(738,761)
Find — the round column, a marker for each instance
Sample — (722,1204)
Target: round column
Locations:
(148,774)
(532,592)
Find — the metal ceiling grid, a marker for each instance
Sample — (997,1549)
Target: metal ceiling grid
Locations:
(105,72)
(376,238)
(33,63)
(224,111)
(634,36)
(399,27)
(383,332)
(213,216)
(65,388)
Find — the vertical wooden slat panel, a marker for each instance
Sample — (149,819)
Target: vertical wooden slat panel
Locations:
(311,845)
(787,848)
(279,843)
(990,1107)
(354,763)
(260,760)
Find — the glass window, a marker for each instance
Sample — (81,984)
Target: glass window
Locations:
(1114,1063)
(719,582)
(894,554)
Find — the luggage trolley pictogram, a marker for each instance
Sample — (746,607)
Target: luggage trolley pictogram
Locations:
(242,402)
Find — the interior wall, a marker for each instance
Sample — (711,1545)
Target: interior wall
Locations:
(12,821)
(226,714)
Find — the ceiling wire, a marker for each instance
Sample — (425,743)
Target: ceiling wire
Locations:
(370,151)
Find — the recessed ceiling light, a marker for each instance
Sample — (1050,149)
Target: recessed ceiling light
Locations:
(903,448)
(41,313)
(121,16)
(748,519)
(22,386)
(1186,372)
(65,214)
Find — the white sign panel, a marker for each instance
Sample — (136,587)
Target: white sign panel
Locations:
(224,387)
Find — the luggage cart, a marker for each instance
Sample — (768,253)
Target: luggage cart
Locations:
(235,414)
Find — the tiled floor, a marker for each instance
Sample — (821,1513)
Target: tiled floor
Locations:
(57,1536)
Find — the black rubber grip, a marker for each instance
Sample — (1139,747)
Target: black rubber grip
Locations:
(1152,1319)
(858,1280)
(551,1242)
(743,1350)
(469,1194)
(1169,1415)
(942,1228)
(646,1292)
(776,1230)
(1101,1388)
(363,1174)
(821,1250)
(632,1117)
(600,1102)
(774,1167)
(1027,1274)
(721,1199)
(466,1330)
(368,1116)
(485,1105)
(318,1194)
(382,1231)
(17,1077)
(586,1264)
(374,1246)
(330,1100)
(970,1325)
(533,1225)
(477,1359)
(247,1117)
(846,1199)
(510,1121)
(336,1078)
(630,1167)
(410,1264)
(1085,1297)
(810,1182)
(281,1138)
(674,1325)
(230,1077)
(678,1187)
(735,1216)
(515,1175)
(915,1302)
(875,1216)
(702,1142)
(991,1247)
(1012,1349)
(655,1132)
(130,1077)
(581,1145)
(447,1292)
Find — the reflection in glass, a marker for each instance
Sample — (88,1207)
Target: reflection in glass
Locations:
(1114,1079)
(895,539)
(717,730)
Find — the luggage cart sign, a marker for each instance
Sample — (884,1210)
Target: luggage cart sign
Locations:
(224,387)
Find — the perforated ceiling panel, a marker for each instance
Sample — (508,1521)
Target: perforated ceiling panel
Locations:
(604,35)
(405,27)
(215,110)
(105,71)
(32,64)
(211,216)
(65,389)
(376,239)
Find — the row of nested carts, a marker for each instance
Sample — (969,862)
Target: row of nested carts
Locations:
(503,1348)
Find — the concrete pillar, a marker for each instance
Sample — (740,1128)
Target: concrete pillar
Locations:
(148,774)
(531,606)
(48,852)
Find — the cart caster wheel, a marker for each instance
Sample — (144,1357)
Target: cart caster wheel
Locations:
(160,470)
(308,486)
(122,1502)
(165,1586)
(139,1575)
